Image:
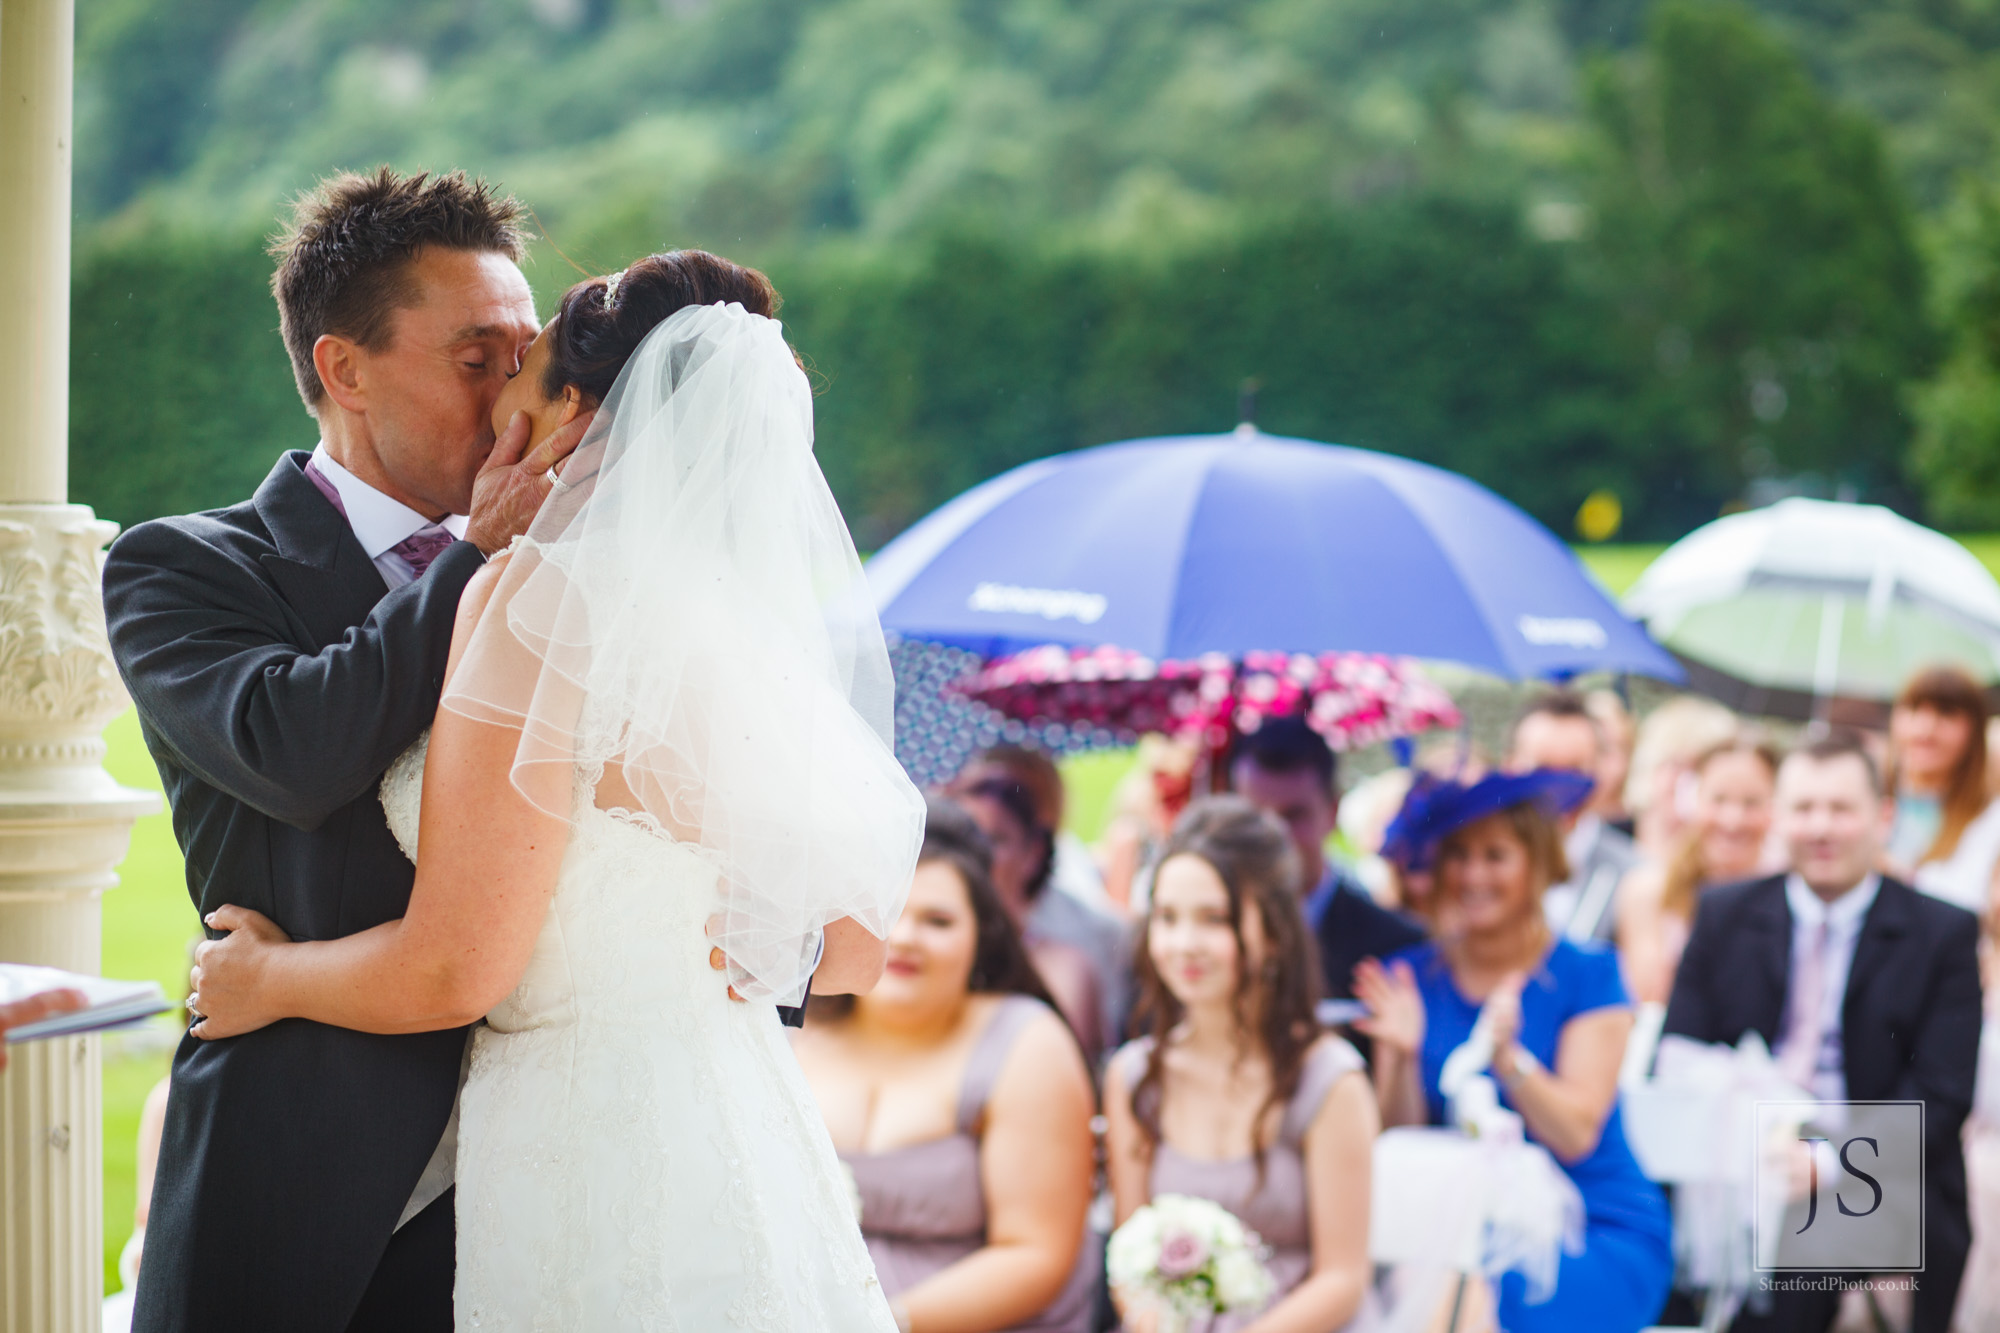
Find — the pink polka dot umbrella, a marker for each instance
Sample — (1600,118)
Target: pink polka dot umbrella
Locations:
(1353,699)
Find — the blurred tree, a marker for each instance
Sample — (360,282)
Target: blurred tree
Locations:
(1760,252)
(144,71)
(1957,454)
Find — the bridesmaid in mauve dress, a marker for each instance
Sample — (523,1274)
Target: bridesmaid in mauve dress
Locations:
(960,1101)
(1233,1093)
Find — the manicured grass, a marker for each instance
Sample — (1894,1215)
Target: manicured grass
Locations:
(1618,567)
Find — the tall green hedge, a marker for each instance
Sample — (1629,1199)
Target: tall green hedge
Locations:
(180,393)
(1435,330)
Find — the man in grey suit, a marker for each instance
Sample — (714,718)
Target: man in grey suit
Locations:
(1556,730)
(282,652)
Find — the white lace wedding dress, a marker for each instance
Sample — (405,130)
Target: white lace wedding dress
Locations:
(636,1151)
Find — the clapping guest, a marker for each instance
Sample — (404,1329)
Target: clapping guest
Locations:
(1863,989)
(961,1103)
(1556,731)
(1286,768)
(1079,952)
(1946,836)
(1724,842)
(1559,1018)
(1233,1093)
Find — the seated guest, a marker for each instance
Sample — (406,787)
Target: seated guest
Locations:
(1079,952)
(1144,806)
(1074,871)
(1614,764)
(1557,731)
(1233,1093)
(1863,988)
(1728,825)
(1287,768)
(1656,786)
(962,1105)
(1559,1020)
(1946,836)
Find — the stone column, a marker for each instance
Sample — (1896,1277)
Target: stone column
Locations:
(64,824)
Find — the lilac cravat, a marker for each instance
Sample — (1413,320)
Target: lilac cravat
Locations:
(423,546)
(418,549)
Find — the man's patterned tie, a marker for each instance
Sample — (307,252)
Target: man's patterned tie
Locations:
(423,546)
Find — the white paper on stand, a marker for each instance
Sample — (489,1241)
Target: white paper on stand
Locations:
(109,1003)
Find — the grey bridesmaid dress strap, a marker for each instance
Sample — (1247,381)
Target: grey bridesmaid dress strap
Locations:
(1326,1064)
(989,1054)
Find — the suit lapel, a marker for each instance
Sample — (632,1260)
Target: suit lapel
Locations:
(1768,935)
(325,577)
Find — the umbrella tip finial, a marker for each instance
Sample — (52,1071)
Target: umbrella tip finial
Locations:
(1246,406)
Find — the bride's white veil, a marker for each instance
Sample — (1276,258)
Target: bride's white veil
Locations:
(690,607)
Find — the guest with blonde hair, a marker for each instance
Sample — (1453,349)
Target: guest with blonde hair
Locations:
(1659,789)
(1725,841)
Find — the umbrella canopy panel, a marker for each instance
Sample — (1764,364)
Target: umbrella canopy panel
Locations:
(1241,543)
(1352,699)
(1822,599)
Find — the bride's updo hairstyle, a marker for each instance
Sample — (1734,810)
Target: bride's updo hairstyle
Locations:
(597,326)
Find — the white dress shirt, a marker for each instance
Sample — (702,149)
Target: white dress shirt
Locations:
(378,522)
(1842,918)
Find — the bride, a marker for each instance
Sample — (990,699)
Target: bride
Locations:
(659,780)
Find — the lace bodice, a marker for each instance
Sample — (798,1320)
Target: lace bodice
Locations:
(624,1121)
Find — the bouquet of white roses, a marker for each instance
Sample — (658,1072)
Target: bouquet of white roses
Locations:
(1191,1256)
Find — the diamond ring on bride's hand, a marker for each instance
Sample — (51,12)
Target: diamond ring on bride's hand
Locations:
(556,484)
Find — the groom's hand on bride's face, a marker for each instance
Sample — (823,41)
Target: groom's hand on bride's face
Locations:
(515,480)
(226,994)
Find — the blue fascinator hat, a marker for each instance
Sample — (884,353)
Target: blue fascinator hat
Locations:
(1437,807)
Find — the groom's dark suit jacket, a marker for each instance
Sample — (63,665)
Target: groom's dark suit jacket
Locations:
(276,679)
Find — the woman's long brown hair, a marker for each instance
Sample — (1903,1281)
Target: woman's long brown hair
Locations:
(1252,854)
(1953,692)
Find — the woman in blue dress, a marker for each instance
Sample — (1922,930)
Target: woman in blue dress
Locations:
(1560,1018)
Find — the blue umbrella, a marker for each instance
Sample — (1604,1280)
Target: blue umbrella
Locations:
(1247,542)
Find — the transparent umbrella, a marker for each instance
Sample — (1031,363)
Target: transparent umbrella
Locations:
(1783,610)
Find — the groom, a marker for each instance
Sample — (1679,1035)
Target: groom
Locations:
(282,652)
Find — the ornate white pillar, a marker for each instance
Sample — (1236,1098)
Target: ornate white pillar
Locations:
(64,824)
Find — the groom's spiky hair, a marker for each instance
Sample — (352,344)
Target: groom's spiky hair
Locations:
(343,262)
